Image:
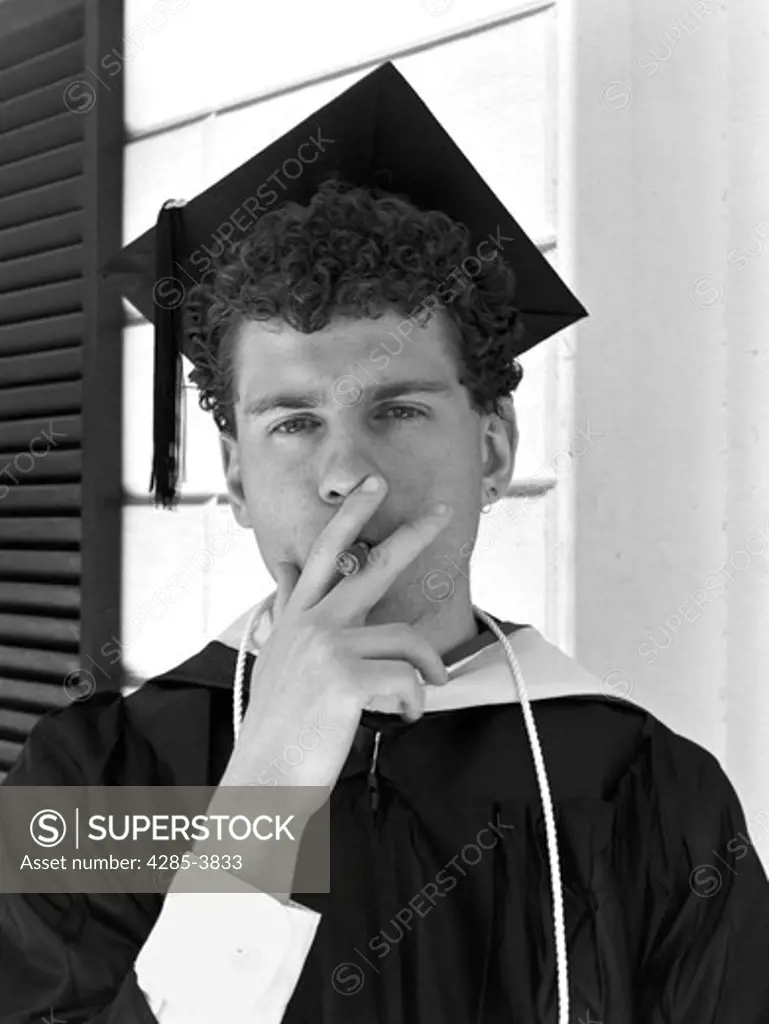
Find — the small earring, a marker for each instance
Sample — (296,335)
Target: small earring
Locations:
(492,495)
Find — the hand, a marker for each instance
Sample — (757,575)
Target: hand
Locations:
(321,665)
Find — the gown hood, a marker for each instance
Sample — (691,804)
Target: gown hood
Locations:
(480,676)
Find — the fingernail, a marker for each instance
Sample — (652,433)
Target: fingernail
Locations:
(440,509)
(371,484)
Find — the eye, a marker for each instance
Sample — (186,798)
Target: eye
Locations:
(282,428)
(411,411)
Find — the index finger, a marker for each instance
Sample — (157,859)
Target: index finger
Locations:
(385,563)
(320,571)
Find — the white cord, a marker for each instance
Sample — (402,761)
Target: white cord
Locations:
(238,710)
(238,689)
(547,807)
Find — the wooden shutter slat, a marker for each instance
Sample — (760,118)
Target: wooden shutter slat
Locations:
(49,200)
(47,233)
(17,723)
(30,139)
(58,364)
(42,630)
(9,751)
(42,268)
(40,37)
(64,162)
(45,333)
(43,68)
(58,530)
(60,398)
(43,597)
(34,661)
(24,692)
(42,565)
(42,465)
(46,101)
(60,297)
(16,435)
(41,497)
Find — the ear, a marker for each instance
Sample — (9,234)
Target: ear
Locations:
(228,446)
(499,446)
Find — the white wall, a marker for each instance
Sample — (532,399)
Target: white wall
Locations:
(664,133)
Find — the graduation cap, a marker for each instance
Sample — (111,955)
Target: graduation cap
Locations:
(378,133)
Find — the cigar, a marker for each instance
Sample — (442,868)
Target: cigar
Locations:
(352,559)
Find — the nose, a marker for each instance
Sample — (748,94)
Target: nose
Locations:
(344,466)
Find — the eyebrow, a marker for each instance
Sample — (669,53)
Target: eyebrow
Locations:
(315,399)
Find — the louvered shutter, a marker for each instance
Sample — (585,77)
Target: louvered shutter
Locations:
(56,514)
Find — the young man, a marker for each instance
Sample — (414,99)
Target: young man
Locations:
(490,861)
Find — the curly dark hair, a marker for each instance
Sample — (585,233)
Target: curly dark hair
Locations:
(352,252)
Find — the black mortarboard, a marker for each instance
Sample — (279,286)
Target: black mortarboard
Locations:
(378,133)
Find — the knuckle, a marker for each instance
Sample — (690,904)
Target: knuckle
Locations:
(379,557)
(416,644)
(407,680)
(324,643)
(310,636)
(406,634)
(323,549)
(405,630)
(416,697)
(348,695)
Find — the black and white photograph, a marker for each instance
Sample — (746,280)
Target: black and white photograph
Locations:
(384,512)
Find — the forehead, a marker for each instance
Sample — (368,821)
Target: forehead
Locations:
(267,353)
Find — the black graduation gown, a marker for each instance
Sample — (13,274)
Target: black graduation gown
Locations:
(638,810)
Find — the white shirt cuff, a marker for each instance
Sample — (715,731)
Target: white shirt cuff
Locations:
(224,955)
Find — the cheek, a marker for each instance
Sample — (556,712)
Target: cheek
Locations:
(460,486)
(426,458)
(279,504)
(279,531)
(448,470)
(460,481)
(269,480)
(265,501)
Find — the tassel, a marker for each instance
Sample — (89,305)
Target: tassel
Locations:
(167,398)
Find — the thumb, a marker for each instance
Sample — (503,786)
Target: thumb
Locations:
(286,577)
